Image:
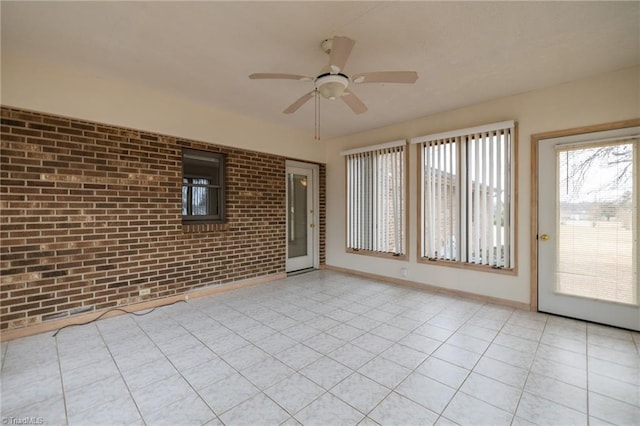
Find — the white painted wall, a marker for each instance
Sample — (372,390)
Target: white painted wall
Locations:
(605,98)
(40,86)
(44,87)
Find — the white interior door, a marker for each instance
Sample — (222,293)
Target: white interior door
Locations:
(588,227)
(301,216)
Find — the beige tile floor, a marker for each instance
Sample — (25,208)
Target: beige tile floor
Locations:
(325,348)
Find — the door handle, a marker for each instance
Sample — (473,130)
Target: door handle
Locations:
(544,237)
(312,225)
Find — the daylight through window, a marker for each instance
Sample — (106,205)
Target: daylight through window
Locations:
(376,186)
(202,187)
(467,196)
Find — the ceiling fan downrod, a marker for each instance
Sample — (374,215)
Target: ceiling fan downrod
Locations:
(316,135)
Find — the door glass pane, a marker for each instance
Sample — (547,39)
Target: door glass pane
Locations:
(297,220)
(596,222)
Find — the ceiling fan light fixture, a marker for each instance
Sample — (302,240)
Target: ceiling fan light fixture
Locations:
(332,86)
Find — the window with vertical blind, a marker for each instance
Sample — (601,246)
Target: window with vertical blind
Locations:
(467,194)
(376,197)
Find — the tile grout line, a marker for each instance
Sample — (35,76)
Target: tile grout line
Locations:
(291,416)
(177,369)
(587,370)
(353,371)
(301,299)
(414,370)
(471,370)
(325,391)
(524,385)
(261,391)
(120,372)
(3,357)
(418,366)
(586,389)
(64,394)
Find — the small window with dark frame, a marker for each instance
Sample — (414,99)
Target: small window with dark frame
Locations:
(203,189)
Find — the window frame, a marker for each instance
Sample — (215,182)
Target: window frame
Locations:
(463,195)
(220,188)
(404,255)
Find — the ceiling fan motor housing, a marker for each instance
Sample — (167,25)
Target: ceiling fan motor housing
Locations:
(331,86)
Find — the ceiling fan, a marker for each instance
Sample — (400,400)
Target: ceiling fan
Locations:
(332,83)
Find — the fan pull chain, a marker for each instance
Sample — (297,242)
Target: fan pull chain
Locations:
(317,116)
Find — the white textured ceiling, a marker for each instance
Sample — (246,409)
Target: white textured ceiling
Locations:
(464,53)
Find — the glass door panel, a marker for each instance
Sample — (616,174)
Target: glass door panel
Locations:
(595,223)
(588,228)
(297,208)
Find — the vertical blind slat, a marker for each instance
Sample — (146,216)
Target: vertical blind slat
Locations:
(398,212)
(375,194)
(484,247)
(445,198)
(435,197)
(426,202)
(474,204)
(499,196)
(370,197)
(508,212)
(492,213)
(451,188)
(383,192)
(463,211)
(359,193)
(354,188)
(438,195)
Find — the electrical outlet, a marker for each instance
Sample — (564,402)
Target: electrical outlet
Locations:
(404,272)
(144,291)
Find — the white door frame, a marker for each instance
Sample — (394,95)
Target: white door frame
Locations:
(313,232)
(535,146)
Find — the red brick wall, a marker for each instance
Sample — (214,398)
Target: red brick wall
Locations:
(91,214)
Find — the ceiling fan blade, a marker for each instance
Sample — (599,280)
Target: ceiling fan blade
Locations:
(386,77)
(340,51)
(297,104)
(354,102)
(267,75)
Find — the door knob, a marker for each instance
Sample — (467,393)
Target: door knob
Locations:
(544,237)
